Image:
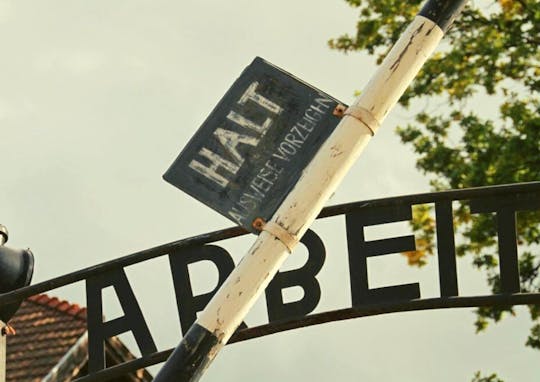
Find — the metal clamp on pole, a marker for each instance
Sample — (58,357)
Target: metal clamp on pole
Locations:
(360,113)
(280,233)
(288,239)
(365,116)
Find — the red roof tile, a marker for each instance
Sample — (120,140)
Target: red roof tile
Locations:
(46,329)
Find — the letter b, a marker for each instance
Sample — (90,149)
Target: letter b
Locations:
(303,277)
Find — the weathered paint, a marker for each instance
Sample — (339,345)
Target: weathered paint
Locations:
(198,349)
(227,309)
(400,67)
(319,180)
(251,150)
(442,12)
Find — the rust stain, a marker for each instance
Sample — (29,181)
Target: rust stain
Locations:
(218,321)
(339,110)
(258,224)
(335,151)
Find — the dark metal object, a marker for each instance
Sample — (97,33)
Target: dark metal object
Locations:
(304,277)
(442,12)
(360,250)
(251,150)
(16,269)
(186,359)
(4,235)
(132,320)
(446,249)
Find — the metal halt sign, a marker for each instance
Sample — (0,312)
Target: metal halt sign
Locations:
(253,147)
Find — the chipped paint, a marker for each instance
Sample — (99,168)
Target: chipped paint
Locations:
(324,173)
(394,66)
(317,183)
(399,67)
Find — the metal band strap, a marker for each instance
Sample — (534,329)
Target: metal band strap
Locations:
(363,115)
(288,239)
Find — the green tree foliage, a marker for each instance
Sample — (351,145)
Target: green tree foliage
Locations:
(492,55)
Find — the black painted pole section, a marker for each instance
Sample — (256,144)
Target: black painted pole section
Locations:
(227,309)
(442,12)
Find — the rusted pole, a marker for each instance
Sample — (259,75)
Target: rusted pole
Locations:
(3,239)
(2,352)
(3,334)
(219,320)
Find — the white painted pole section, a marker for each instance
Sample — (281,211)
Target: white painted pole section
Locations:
(319,180)
(3,354)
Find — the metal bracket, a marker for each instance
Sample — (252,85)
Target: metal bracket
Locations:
(339,110)
(360,113)
(274,229)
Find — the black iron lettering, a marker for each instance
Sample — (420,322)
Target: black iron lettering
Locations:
(303,277)
(99,331)
(505,208)
(360,250)
(446,249)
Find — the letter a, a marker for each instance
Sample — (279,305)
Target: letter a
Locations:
(99,331)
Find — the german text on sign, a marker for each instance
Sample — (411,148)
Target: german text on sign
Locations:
(252,148)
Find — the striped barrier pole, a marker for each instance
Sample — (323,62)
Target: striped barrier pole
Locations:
(279,236)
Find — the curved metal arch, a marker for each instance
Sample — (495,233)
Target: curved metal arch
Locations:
(228,233)
(331,316)
(527,192)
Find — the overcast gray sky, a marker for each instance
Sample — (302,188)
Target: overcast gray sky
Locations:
(97,98)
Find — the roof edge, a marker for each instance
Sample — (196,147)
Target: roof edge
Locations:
(61,306)
(77,355)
